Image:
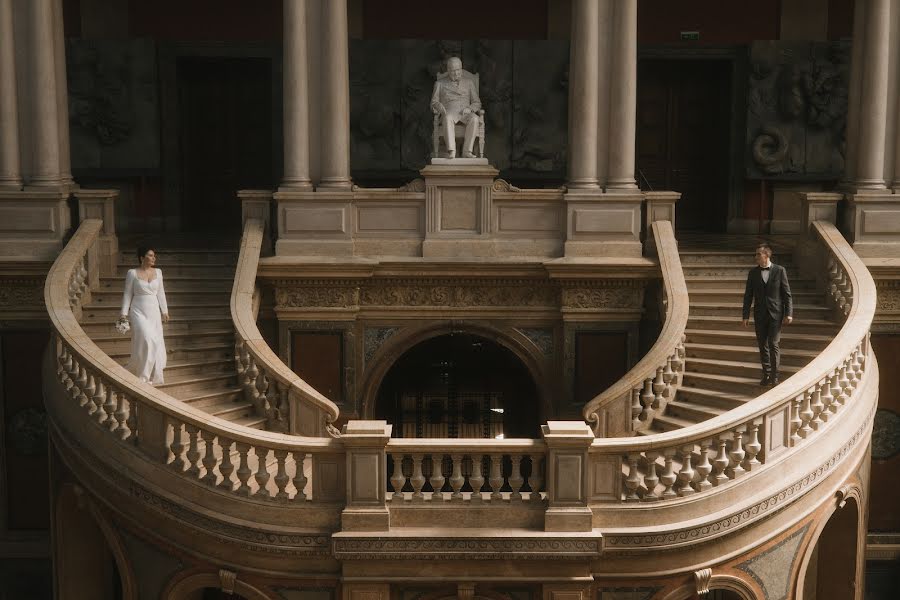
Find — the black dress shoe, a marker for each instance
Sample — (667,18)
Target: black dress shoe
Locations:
(774,381)
(764,381)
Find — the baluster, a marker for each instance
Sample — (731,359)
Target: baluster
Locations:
(476,480)
(704,467)
(121,414)
(636,409)
(281,410)
(687,473)
(668,477)
(243,472)
(73,376)
(668,373)
(90,389)
(658,387)
(177,447)
(109,407)
(262,472)
(281,476)
(397,478)
(250,391)
(737,454)
(496,478)
(209,457)
(132,421)
(418,479)
(836,391)
(795,422)
(536,479)
(99,397)
(193,454)
(226,468)
(853,369)
(64,363)
(753,446)
(806,415)
(437,477)
(456,478)
(651,479)
(819,403)
(844,383)
(647,399)
(720,464)
(243,363)
(82,386)
(300,478)
(633,480)
(515,477)
(262,386)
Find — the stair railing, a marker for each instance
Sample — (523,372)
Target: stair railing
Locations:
(629,405)
(113,404)
(285,398)
(707,455)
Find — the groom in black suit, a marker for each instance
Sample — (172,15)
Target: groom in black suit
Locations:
(769,292)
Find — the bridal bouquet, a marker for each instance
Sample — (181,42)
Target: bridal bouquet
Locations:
(123,326)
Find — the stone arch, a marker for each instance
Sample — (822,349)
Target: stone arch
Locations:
(840,535)
(731,583)
(82,536)
(406,339)
(189,585)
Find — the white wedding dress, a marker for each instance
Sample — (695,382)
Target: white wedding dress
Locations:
(144,303)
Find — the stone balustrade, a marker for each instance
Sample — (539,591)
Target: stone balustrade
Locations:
(629,405)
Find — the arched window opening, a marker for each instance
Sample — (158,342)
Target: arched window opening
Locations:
(459,385)
(831,573)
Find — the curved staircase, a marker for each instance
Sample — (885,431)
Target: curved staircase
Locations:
(200,337)
(722,369)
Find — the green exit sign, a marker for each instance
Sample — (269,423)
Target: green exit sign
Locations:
(690,36)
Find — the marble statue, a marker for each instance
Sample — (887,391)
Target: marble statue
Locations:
(455,102)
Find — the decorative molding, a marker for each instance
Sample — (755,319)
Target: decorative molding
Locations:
(316,296)
(540,337)
(701,579)
(736,520)
(373,339)
(23,294)
(603,298)
(436,548)
(228,578)
(460,294)
(501,185)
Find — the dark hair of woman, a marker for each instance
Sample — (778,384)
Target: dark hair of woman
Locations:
(143,250)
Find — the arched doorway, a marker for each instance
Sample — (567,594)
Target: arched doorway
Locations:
(459,385)
(833,568)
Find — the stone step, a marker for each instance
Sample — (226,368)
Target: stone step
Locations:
(738,257)
(233,411)
(733,323)
(174,298)
(200,352)
(693,413)
(731,270)
(812,297)
(110,311)
(789,356)
(801,311)
(183,269)
(187,385)
(734,368)
(747,385)
(205,400)
(187,368)
(699,282)
(104,326)
(667,422)
(179,283)
(748,337)
(715,398)
(174,341)
(181,256)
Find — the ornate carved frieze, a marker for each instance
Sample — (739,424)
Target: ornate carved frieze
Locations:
(608,294)
(459,294)
(888,303)
(22,295)
(316,295)
(521,548)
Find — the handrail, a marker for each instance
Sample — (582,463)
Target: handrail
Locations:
(811,397)
(652,382)
(310,413)
(165,429)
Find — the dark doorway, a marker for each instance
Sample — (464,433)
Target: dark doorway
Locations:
(459,386)
(225,115)
(683,142)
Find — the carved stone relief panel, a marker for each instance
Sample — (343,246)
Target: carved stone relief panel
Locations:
(113,104)
(797,109)
(22,296)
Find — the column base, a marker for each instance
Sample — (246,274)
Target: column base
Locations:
(600,224)
(33,224)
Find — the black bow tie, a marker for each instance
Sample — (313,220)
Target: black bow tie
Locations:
(764,268)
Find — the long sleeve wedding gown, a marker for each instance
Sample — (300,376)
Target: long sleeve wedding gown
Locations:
(144,303)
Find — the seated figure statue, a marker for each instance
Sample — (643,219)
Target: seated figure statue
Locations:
(455,100)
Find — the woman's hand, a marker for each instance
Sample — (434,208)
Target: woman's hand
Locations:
(165,318)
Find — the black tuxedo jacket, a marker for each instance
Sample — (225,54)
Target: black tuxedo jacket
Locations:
(772,298)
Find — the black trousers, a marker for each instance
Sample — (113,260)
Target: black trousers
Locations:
(768,335)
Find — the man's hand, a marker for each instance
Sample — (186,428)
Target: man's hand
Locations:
(788,320)
(467,111)
(165,318)
(438,108)
(745,322)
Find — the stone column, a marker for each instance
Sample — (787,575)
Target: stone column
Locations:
(42,89)
(583,94)
(623,103)
(335,96)
(10,167)
(296,97)
(62,93)
(873,96)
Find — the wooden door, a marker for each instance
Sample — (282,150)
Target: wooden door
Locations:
(225,118)
(683,121)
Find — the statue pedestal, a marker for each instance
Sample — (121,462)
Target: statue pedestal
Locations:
(458,208)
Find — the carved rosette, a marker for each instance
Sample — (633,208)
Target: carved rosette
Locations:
(608,295)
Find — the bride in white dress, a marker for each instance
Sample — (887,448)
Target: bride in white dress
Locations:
(144,306)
